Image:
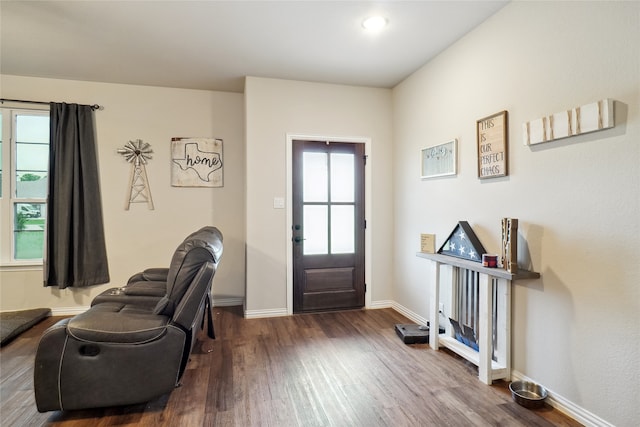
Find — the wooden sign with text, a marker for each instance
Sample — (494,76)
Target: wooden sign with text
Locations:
(492,134)
(428,243)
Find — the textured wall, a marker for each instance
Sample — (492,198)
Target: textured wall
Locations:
(578,200)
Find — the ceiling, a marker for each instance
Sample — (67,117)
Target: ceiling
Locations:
(213,45)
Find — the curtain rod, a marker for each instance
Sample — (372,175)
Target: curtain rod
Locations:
(2,100)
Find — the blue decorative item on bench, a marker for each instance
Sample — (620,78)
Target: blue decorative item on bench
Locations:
(463,243)
(464,334)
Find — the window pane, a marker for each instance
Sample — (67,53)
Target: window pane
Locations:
(342,229)
(342,177)
(0,154)
(316,222)
(29,230)
(32,128)
(314,176)
(32,156)
(31,185)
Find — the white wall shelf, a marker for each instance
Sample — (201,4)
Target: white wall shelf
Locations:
(488,369)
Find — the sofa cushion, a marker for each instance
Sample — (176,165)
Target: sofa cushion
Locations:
(117,323)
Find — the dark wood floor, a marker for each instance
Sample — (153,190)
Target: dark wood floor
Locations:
(332,369)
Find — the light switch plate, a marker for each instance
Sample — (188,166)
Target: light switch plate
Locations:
(278,203)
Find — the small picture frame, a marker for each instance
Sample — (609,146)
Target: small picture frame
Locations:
(428,243)
(439,160)
(492,133)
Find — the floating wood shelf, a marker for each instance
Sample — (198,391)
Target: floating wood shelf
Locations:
(488,369)
(477,266)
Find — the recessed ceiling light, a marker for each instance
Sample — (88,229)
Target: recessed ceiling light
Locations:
(374,23)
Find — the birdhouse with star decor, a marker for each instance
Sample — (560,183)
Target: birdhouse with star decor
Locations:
(463,243)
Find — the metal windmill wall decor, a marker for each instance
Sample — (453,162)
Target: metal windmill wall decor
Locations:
(138,153)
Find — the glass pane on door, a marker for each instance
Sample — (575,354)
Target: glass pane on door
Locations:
(342,229)
(342,177)
(316,223)
(314,171)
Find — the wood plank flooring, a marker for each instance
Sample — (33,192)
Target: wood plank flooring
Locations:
(330,369)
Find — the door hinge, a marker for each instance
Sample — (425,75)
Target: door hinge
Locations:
(365,224)
(364,158)
(365,287)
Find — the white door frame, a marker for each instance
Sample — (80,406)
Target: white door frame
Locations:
(368,214)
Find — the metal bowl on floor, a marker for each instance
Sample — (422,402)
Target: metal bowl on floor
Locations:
(528,394)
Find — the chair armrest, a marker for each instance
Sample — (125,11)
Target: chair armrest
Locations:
(145,294)
(117,323)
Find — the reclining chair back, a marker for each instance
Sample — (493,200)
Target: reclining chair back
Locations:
(202,248)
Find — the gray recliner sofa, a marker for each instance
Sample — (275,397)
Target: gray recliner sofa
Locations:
(134,342)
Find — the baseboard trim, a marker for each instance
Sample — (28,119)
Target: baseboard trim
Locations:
(565,406)
(408,313)
(380,304)
(277,312)
(274,312)
(227,302)
(68,311)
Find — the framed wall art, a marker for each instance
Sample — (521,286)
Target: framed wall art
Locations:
(575,121)
(196,162)
(439,160)
(492,134)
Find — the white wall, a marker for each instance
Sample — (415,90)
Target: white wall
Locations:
(576,330)
(275,108)
(141,238)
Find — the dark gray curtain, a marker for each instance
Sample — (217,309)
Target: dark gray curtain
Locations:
(75,249)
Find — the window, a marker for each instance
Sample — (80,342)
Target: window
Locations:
(24,163)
